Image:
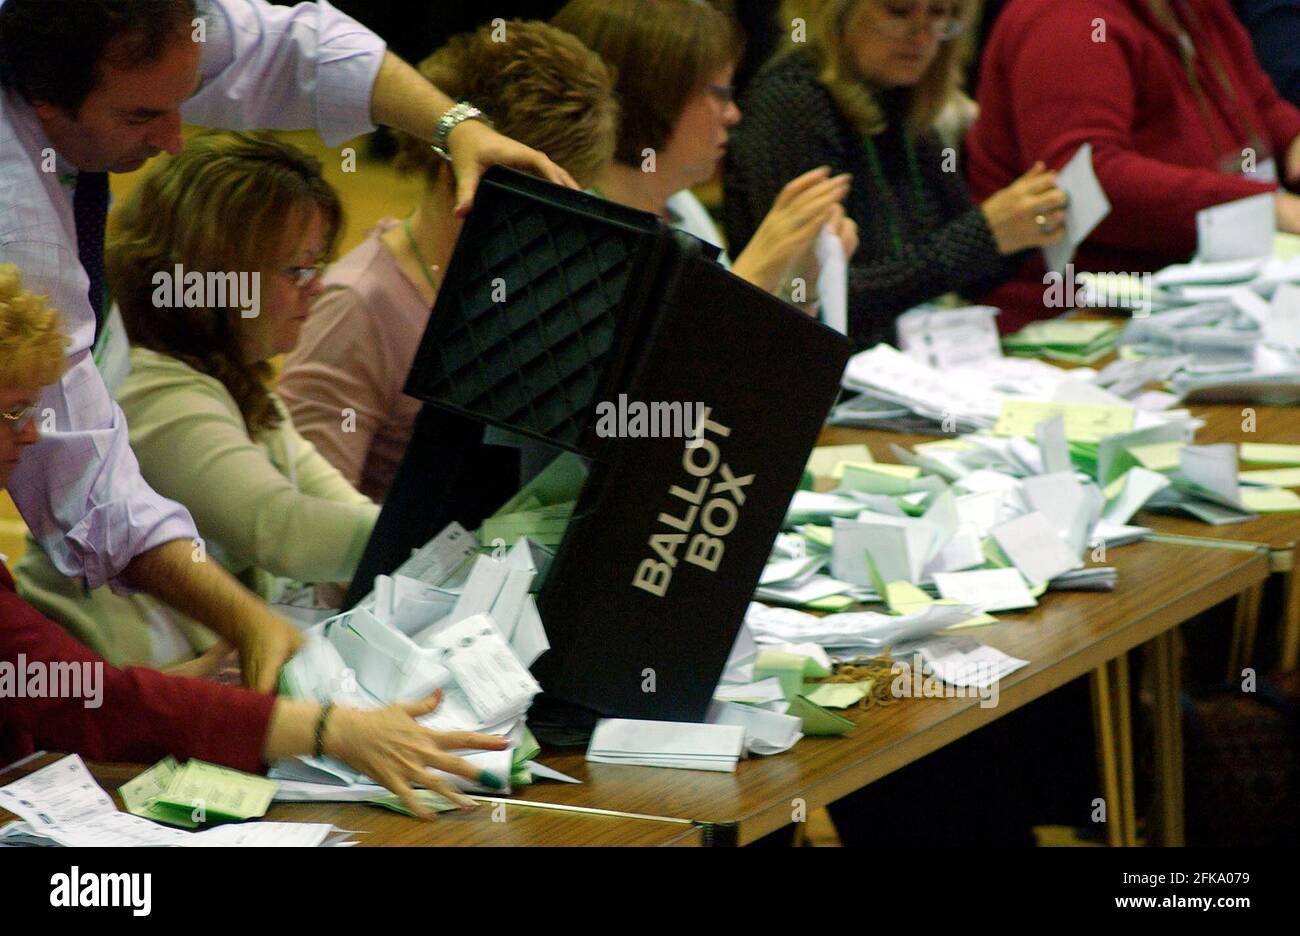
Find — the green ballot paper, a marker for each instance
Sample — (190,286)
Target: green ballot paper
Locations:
(140,794)
(817,721)
(790,668)
(428,799)
(205,791)
(838,695)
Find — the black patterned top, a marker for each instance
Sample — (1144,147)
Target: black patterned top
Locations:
(920,234)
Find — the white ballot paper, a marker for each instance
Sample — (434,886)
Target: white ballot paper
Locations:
(986,589)
(949,337)
(1236,230)
(1034,548)
(667,744)
(61,794)
(496,684)
(833,281)
(1088,207)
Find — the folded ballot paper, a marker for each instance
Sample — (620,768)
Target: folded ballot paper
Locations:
(62,805)
(667,744)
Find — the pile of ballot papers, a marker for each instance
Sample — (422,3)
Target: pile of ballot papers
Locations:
(468,626)
(1230,319)
(62,805)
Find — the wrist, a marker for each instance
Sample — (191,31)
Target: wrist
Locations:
(452,120)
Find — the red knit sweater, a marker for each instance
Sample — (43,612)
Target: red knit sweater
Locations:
(1046,87)
(143,716)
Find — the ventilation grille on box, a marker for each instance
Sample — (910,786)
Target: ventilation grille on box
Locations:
(533,362)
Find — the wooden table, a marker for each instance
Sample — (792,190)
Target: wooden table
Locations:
(490,824)
(1280,532)
(1067,636)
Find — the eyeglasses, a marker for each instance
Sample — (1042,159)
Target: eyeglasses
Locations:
(304,276)
(724,93)
(898,19)
(18,418)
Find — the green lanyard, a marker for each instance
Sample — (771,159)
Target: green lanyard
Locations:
(425,267)
(887,195)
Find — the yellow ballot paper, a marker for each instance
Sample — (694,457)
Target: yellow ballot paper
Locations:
(1270,500)
(827,461)
(879,479)
(906,598)
(1278,477)
(1158,456)
(1265,453)
(1084,422)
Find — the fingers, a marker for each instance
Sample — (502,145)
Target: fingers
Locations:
(423,706)
(449,763)
(464,740)
(821,193)
(407,796)
(800,183)
(466,185)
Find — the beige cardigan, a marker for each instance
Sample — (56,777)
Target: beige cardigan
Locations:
(268,509)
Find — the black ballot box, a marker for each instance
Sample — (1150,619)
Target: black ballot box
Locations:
(695,396)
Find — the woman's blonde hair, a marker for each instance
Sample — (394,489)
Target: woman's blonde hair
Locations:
(33,345)
(537,84)
(826,25)
(221,206)
(663,52)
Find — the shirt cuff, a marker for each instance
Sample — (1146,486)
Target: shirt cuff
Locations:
(105,541)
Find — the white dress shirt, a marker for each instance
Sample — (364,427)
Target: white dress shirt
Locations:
(268,67)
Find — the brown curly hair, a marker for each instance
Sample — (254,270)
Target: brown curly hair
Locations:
(537,84)
(221,205)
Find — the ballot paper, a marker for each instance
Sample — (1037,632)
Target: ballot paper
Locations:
(964,661)
(1135,488)
(1263,453)
(1034,548)
(765,732)
(1055,450)
(439,560)
(943,338)
(1087,208)
(1282,327)
(1276,477)
(875,549)
(833,280)
(943,396)
(58,795)
(755,693)
(986,589)
(61,804)
(1237,230)
(856,629)
(667,744)
(827,461)
(493,680)
(387,664)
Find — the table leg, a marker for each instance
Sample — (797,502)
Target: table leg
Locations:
(1290,619)
(1122,705)
(1245,628)
(1103,721)
(1167,687)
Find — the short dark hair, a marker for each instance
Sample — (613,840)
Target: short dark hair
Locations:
(52,50)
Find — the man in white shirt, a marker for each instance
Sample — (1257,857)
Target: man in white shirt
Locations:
(89,87)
